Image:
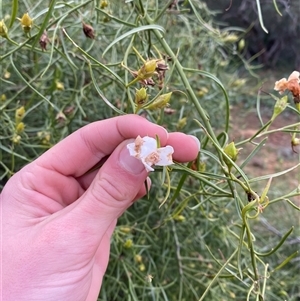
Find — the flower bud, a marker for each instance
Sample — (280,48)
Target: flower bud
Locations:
(103,4)
(147,70)
(295,142)
(88,30)
(3,29)
(232,152)
(160,102)
(138,258)
(19,115)
(20,127)
(179,218)
(128,244)
(3,97)
(141,96)
(44,40)
(181,123)
(280,106)
(59,86)
(26,23)
(241,45)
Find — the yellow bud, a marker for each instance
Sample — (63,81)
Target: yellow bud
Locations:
(138,258)
(3,29)
(59,86)
(179,218)
(128,244)
(125,229)
(20,127)
(239,82)
(147,69)
(142,267)
(141,96)
(230,38)
(3,97)
(241,45)
(160,102)
(295,142)
(26,22)
(7,75)
(103,4)
(202,91)
(19,114)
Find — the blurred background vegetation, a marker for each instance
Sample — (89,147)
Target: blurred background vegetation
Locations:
(71,66)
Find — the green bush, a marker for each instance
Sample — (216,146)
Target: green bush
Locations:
(204,231)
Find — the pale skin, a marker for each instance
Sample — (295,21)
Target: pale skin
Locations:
(57,219)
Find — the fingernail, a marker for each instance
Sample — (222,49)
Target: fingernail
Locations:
(197,141)
(129,163)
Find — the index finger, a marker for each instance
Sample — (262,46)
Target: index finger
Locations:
(80,151)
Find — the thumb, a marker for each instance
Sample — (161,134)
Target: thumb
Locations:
(112,191)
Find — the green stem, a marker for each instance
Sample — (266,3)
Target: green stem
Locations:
(184,79)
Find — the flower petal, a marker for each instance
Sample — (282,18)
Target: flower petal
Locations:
(145,149)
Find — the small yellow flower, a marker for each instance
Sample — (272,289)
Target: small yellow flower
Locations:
(26,22)
(16,139)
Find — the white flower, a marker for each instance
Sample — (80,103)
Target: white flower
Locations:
(145,149)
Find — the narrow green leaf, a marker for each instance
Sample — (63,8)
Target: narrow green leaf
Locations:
(14,11)
(131,32)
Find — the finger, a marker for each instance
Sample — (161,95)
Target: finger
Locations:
(119,181)
(186,147)
(80,151)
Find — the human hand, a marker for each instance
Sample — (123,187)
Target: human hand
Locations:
(57,219)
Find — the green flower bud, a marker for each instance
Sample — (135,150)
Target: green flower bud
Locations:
(20,127)
(280,106)
(141,96)
(147,70)
(128,244)
(181,123)
(3,29)
(232,152)
(160,102)
(241,45)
